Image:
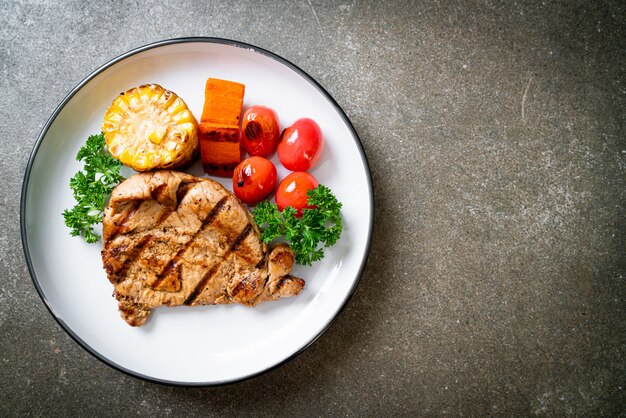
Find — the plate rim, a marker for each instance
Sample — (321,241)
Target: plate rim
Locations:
(84,82)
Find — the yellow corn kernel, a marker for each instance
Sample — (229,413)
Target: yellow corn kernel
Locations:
(156,136)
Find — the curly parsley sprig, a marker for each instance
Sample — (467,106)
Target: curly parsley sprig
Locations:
(317,228)
(91,187)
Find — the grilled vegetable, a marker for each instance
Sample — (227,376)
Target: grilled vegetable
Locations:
(254,179)
(259,131)
(301,145)
(292,191)
(148,128)
(220,151)
(223,100)
(219,148)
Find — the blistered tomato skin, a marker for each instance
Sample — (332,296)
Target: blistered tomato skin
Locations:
(301,145)
(254,179)
(292,191)
(259,131)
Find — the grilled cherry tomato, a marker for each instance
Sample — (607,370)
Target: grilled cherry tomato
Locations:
(292,191)
(254,179)
(259,131)
(301,145)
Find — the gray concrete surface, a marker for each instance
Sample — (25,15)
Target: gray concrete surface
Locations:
(496,138)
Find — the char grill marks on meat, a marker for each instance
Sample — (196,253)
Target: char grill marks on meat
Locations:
(174,239)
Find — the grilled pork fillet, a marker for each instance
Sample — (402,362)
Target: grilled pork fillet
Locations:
(174,239)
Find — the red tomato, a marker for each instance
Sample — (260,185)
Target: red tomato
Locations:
(292,191)
(254,179)
(301,145)
(259,131)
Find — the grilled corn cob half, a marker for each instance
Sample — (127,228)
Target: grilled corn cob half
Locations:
(149,128)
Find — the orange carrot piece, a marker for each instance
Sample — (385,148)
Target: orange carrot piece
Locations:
(220,151)
(218,131)
(223,101)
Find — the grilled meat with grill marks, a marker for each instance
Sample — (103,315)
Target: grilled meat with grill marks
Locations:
(173,239)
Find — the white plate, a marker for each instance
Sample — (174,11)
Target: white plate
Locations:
(192,345)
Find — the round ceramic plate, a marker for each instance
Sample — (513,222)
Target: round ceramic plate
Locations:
(204,345)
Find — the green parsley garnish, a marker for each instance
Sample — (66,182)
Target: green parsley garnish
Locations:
(306,235)
(91,188)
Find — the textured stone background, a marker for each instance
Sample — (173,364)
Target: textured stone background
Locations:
(496,138)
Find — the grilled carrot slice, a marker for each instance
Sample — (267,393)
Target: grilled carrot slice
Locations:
(223,100)
(220,151)
(218,131)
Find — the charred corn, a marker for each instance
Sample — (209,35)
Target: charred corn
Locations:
(149,128)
